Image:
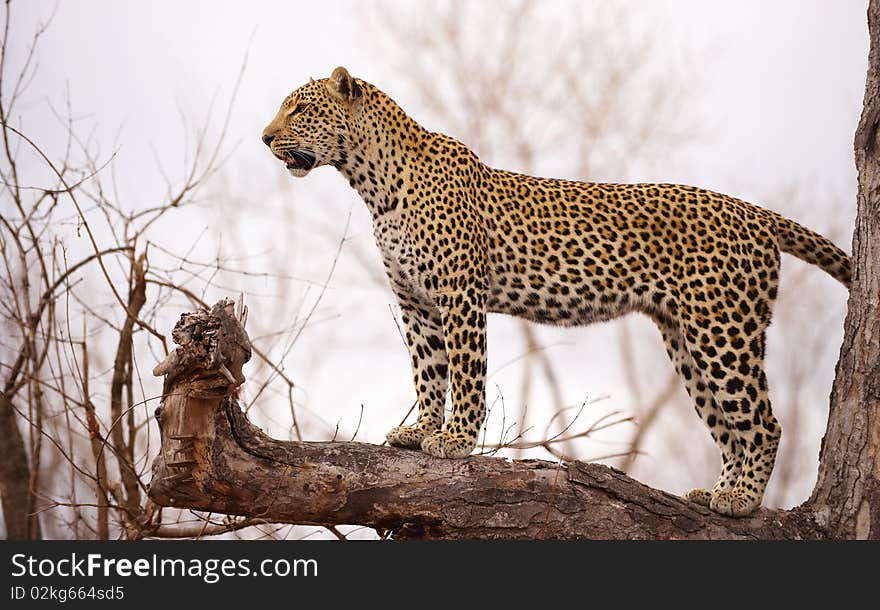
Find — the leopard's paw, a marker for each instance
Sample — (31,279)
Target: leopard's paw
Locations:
(410,437)
(734,503)
(699,496)
(445,445)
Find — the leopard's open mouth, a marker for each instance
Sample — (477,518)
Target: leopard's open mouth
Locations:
(299,159)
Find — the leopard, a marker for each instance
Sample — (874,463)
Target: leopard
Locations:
(460,239)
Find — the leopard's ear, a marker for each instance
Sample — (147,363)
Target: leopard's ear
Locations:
(343,88)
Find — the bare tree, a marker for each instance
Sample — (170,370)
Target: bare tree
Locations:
(85,281)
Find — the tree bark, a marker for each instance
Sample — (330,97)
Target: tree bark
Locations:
(846,499)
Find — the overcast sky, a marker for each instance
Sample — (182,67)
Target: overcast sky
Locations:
(779,86)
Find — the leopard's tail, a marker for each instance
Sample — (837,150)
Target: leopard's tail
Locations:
(812,248)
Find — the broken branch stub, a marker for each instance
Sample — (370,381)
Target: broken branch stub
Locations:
(213,346)
(202,372)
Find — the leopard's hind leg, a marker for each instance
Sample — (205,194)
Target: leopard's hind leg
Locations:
(732,364)
(708,411)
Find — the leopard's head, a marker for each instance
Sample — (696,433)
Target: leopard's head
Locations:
(313,126)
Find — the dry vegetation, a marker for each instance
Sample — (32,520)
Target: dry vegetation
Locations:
(90,287)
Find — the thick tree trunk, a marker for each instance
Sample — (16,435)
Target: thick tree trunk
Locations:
(846,500)
(15,477)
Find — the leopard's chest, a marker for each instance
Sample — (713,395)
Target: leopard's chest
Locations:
(398,254)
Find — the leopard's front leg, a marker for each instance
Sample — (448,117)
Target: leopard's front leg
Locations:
(427,351)
(464,325)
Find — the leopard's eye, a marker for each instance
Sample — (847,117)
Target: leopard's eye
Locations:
(298,108)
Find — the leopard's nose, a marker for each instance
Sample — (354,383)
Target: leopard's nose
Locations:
(267,139)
